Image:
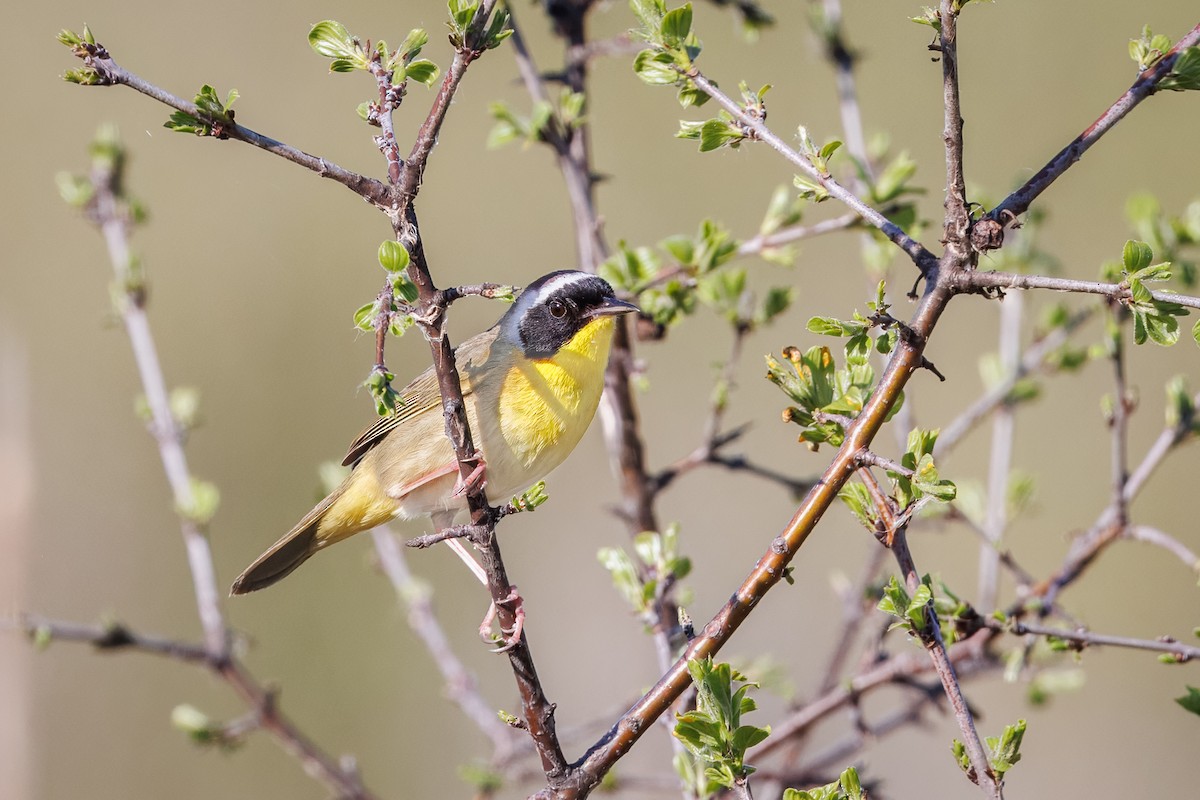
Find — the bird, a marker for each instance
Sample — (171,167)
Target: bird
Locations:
(531,384)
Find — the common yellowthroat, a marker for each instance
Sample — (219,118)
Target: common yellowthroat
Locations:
(531,384)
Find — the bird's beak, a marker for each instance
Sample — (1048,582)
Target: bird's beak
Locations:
(611,307)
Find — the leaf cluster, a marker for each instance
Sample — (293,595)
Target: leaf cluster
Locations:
(699,272)
(1152,319)
(673,48)
(1004,751)
(84,46)
(827,397)
(713,732)
(1150,48)
(846,787)
(661,566)
(909,610)
(724,130)
(566,112)
(470,29)
(214,114)
(348,53)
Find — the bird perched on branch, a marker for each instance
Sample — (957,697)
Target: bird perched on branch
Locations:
(531,384)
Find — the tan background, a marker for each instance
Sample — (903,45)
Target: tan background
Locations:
(256,267)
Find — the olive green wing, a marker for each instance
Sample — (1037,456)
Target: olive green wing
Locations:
(422,395)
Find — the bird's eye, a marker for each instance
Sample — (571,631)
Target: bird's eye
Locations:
(558,309)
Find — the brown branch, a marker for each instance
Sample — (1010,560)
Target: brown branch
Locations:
(1146,84)
(931,636)
(266,713)
(430,316)
(772,566)
(369,189)
(957,219)
(110,636)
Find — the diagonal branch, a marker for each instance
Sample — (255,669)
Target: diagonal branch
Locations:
(924,259)
(368,188)
(1146,84)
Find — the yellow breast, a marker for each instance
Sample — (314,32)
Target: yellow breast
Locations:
(545,405)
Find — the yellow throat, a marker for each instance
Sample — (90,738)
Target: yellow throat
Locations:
(547,404)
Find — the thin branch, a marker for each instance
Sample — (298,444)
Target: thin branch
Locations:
(900,667)
(915,250)
(796,233)
(1144,533)
(110,636)
(1146,84)
(368,188)
(839,55)
(931,636)
(109,211)
(976,281)
(1107,528)
(266,713)
(537,709)
(1083,638)
(460,684)
(1119,423)
(114,222)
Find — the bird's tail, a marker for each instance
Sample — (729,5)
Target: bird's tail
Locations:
(292,550)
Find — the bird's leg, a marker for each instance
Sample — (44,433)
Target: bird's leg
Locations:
(477,479)
(468,559)
(509,636)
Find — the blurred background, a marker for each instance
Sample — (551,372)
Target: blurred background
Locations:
(256,267)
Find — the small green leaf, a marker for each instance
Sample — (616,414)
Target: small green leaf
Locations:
(676,25)
(1136,255)
(422,71)
(1185,73)
(202,507)
(656,68)
(1191,700)
(330,38)
(392,256)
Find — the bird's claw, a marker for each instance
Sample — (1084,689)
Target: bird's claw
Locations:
(509,637)
(476,480)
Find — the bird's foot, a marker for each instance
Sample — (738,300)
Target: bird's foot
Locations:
(509,637)
(476,480)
